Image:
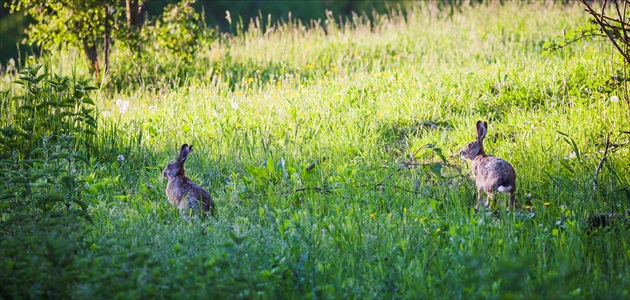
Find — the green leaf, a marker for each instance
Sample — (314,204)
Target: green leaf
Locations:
(50,198)
(29,79)
(88,100)
(68,182)
(18,180)
(58,156)
(36,150)
(258,172)
(91,122)
(436,168)
(80,203)
(81,158)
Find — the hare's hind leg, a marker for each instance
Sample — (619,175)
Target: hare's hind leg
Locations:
(480,198)
(489,197)
(512,201)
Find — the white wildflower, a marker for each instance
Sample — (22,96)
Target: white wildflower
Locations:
(614,99)
(121,157)
(123,105)
(152,108)
(234,105)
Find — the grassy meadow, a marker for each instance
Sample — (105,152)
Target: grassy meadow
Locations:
(331,153)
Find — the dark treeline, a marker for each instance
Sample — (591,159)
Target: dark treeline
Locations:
(12,26)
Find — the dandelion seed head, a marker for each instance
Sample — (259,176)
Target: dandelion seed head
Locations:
(123,105)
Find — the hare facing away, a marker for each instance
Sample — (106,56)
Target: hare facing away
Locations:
(490,173)
(180,190)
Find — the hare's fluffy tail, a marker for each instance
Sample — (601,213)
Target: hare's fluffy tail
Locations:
(505,188)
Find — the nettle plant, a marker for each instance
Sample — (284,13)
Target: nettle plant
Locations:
(48,105)
(42,127)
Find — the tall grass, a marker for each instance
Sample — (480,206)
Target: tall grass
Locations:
(313,143)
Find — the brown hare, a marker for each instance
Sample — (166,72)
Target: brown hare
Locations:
(490,173)
(181,191)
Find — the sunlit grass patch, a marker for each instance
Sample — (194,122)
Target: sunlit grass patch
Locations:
(332,156)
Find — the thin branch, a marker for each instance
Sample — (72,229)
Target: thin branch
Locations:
(625,66)
(579,38)
(426,265)
(623,26)
(601,163)
(405,190)
(615,20)
(397,170)
(315,163)
(604,25)
(324,189)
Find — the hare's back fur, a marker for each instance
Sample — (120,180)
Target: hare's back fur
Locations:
(494,174)
(184,193)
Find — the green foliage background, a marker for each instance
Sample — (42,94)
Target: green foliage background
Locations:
(13,25)
(330,152)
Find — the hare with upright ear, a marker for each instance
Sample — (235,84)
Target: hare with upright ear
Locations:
(180,190)
(490,173)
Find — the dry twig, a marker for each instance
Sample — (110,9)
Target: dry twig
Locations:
(601,162)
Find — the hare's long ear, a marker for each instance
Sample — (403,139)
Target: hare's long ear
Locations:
(183,152)
(482,130)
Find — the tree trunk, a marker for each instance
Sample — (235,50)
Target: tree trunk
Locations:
(92,55)
(134,14)
(135,19)
(107,41)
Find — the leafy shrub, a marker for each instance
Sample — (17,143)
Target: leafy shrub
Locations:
(49,106)
(167,47)
(40,215)
(41,212)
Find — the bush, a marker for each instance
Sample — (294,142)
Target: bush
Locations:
(41,213)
